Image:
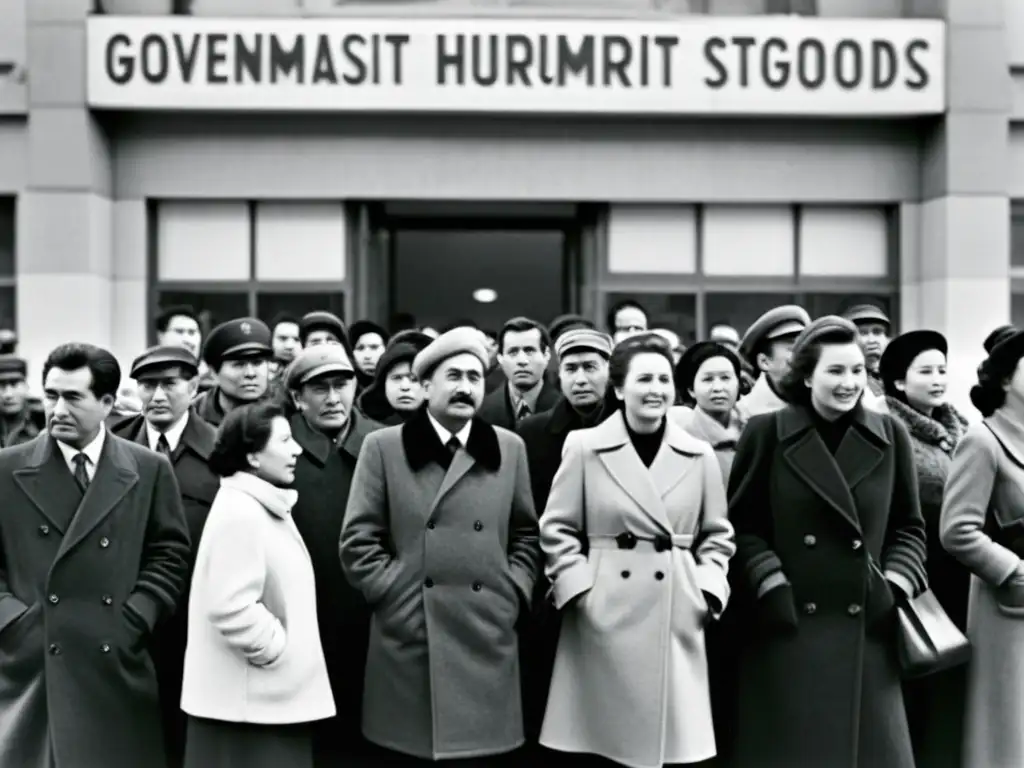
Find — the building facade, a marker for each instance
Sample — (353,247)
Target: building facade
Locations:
(711,158)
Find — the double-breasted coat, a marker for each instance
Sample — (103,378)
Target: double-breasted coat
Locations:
(630,680)
(819,680)
(447,559)
(198,487)
(323,477)
(79,578)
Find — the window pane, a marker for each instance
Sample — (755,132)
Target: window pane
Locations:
(212,308)
(8,308)
(863,9)
(300,241)
(844,241)
(1017,309)
(7,236)
(1017,235)
(203,241)
(818,304)
(652,239)
(740,310)
(677,312)
(748,240)
(270,305)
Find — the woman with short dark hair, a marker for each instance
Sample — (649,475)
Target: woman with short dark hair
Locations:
(255,676)
(823,496)
(395,394)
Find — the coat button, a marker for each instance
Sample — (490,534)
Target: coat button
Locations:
(54,649)
(810,540)
(108,600)
(104,542)
(625,574)
(428,582)
(478,526)
(44,530)
(857,544)
(659,575)
(54,599)
(853,609)
(105,648)
(477,586)
(810,608)
(431,525)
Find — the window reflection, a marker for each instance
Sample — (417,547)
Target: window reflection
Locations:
(740,310)
(677,311)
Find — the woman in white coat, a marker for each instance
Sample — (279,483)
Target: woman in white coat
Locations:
(637,546)
(255,676)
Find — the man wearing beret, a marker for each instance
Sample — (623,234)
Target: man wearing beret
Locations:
(17,424)
(583,355)
(238,353)
(441,537)
(321,382)
(766,346)
(167,378)
(874,328)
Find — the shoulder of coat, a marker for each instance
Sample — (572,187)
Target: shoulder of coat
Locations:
(979,437)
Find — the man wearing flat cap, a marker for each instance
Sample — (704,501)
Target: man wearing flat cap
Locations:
(321,382)
(238,353)
(167,378)
(874,328)
(441,537)
(17,422)
(582,355)
(322,328)
(767,345)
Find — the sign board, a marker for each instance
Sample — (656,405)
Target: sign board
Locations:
(778,65)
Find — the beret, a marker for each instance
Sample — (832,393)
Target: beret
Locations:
(902,350)
(777,323)
(725,334)
(1000,333)
(564,323)
(418,339)
(12,367)
(403,350)
(698,354)
(317,361)
(866,313)
(164,356)
(238,338)
(321,321)
(363,327)
(454,342)
(821,327)
(584,338)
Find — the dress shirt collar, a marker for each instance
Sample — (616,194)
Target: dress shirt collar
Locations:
(445,435)
(92,452)
(173,434)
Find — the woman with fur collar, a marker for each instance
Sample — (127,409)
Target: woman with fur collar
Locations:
(913,373)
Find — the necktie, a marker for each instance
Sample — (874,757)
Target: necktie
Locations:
(524,411)
(81,475)
(162,446)
(453,445)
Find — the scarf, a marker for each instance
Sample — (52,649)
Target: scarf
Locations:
(277,501)
(934,439)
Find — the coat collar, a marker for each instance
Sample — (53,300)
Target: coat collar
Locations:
(199,436)
(943,428)
(277,501)
(422,445)
(1009,433)
(705,427)
(318,446)
(834,478)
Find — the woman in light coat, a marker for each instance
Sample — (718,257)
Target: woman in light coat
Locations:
(630,678)
(982,525)
(255,676)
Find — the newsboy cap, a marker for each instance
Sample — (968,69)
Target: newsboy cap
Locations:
(322,321)
(317,361)
(902,351)
(778,323)
(822,326)
(457,341)
(583,339)
(866,313)
(164,356)
(238,338)
(13,368)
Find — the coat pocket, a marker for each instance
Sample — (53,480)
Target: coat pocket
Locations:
(689,606)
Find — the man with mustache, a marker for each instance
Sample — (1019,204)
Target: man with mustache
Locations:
(441,537)
(238,353)
(583,355)
(321,383)
(167,378)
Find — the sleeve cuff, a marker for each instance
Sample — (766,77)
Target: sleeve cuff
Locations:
(523,586)
(145,608)
(572,582)
(772,582)
(1002,568)
(711,580)
(900,581)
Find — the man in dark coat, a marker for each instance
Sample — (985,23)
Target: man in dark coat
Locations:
(322,383)
(238,352)
(93,556)
(167,379)
(583,355)
(524,349)
(17,421)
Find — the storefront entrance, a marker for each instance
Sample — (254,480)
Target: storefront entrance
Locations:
(482,262)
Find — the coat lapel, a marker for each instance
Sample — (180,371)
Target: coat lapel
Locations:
(675,461)
(115,475)
(1010,436)
(49,485)
(462,462)
(643,485)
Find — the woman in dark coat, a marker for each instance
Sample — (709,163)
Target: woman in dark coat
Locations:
(823,496)
(395,394)
(913,373)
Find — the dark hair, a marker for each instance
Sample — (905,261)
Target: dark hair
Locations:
(988,395)
(521,325)
(617,307)
(622,358)
(282,317)
(245,430)
(163,320)
(689,365)
(106,373)
(805,359)
(462,322)
(564,323)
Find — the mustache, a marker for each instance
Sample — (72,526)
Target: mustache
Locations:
(464,399)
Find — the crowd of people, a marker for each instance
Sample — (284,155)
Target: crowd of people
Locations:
(309,543)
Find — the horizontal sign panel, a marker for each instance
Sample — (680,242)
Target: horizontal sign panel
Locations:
(693,66)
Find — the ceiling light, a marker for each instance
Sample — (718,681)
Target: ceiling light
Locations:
(485,295)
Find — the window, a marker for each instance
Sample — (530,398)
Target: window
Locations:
(677,312)
(818,304)
(1017,234)
(740,310)
(652,239)
(749,240)
(8,306)
(851,242)
(231,259)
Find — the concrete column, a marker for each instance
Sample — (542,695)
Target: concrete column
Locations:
(64,258)
(955,241)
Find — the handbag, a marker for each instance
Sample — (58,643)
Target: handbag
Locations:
(929,641)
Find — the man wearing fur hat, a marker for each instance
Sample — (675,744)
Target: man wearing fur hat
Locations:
(441,537)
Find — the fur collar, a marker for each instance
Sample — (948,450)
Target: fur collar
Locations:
(943,429)
(422,445)
(277,501)
(705,427)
